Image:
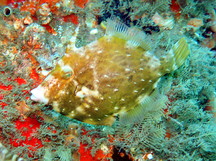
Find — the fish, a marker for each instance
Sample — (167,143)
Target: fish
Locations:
(108,77)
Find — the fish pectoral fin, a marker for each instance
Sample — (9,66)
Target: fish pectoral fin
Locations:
(150,107)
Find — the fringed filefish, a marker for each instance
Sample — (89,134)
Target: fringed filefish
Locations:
(108,77)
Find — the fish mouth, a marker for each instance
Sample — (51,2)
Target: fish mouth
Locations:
(38,95)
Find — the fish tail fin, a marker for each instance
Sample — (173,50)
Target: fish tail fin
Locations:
(181,52)
(176,57)
(132,35)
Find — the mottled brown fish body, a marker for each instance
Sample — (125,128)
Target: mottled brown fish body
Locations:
(115,74)
(101,80)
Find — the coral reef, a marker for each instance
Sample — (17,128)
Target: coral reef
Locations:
(178,125)
(6,155)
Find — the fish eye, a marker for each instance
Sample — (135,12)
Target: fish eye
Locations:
(7,11)
(67,72)
(67,75)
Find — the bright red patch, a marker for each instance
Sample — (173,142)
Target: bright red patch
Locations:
(71,18)
(1,96)
(14,1)
(80,3)
(5,87)
(85,154)
(20,81)
(50,29)
(3,104)
(34,75)
(175,7)
(28,128)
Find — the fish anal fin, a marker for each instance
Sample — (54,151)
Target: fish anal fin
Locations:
(148,107)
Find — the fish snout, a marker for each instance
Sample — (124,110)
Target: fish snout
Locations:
(38,95)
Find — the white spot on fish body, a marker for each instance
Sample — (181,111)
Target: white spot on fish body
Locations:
(87,92)
(159,74)
(72,114)
(62,92)
(122,99)
(99,51)
(96,109)
(143,80)
(80,109)
(115,90)
(135,91)
(86,105)
(116,108)
(127,69)
(141,69)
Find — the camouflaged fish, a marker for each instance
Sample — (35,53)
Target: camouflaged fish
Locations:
(108,77)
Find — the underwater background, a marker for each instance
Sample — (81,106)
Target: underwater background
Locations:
(179,125)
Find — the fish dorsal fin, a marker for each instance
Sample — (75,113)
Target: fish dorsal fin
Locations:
(149,107)
(132,35)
